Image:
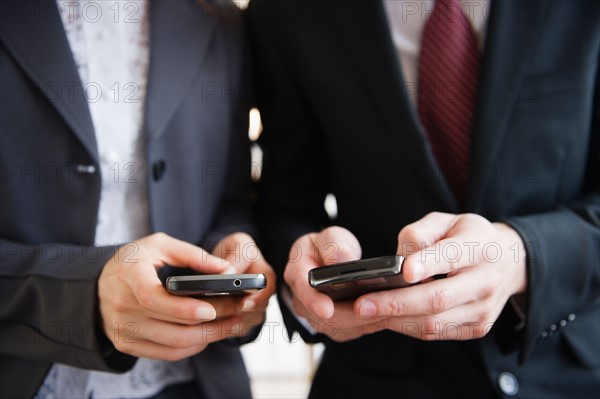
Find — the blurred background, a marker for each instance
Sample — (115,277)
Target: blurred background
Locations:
(279,366)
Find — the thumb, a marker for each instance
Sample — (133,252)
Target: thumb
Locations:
(239,250)
(420,235)
(337,244)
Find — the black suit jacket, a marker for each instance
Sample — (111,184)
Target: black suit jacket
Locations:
(337,119)
(197,154)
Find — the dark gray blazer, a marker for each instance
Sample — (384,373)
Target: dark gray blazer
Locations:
(197,154)
(337,119)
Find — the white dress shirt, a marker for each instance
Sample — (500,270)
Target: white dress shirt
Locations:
(110,45)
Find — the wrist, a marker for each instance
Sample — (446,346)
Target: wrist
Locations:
(516,257)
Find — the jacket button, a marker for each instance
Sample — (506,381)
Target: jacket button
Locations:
(508,383)
(158,169)
(563,323)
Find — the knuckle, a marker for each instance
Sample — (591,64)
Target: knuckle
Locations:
(387,324)
(485,291)
(396,307)
(183,313)
(485,317)
(241,237)
(431,325)
(159,237)
(144,296)
(440,301)
(340,250)
(119,304)
(453,264)
(409,233)
(478,331)
(182,341)
(122,347)
(482,326)
(473,217)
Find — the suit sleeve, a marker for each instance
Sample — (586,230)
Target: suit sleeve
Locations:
(49,305)
(563,262)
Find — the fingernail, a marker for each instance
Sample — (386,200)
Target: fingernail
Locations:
(248,306)
(230,270)
(204,313)
(367,309)
(418,271)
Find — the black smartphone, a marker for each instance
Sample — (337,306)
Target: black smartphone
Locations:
(205,285)
(350,280)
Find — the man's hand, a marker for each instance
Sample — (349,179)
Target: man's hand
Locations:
(142,319)
(335,319)
(484,263)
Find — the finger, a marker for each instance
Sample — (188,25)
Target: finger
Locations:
(154,299)
(251,321)
(416,237)
(179,253)
(181,337)
(225,306)
(239,250)
(232,327)
(333,331)
(260,300)
(343,318)
(461,323)
(152,350)
(168,334)
(332,245)
(424,232)
(458,248)
(296,276)
(336,244)
(424,299)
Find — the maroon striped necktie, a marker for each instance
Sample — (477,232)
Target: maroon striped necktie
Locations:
(448,75)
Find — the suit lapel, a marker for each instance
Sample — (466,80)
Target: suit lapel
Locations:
(181,33)
(367,38)
(511,31)
(39,45)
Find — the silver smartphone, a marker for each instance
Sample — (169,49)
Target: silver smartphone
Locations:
(204,285)
(349,280)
